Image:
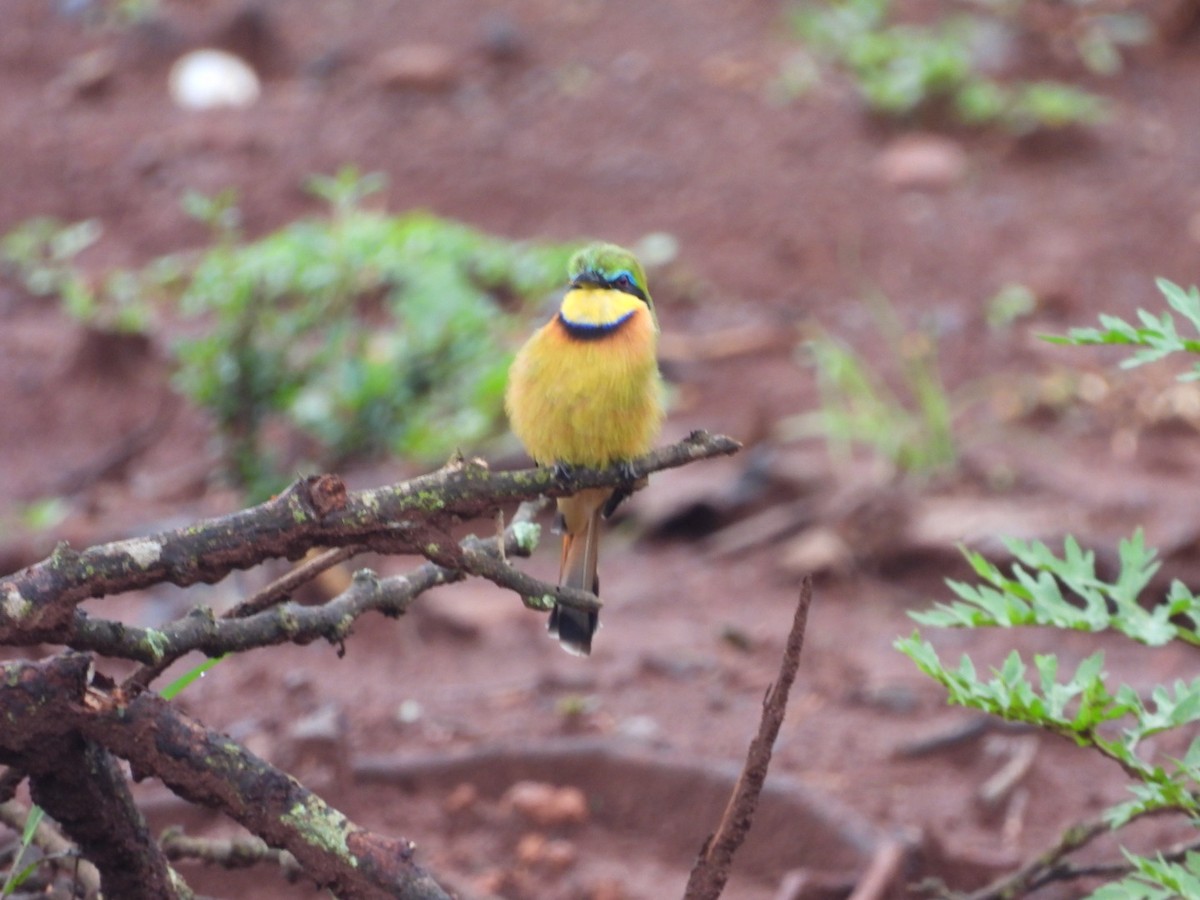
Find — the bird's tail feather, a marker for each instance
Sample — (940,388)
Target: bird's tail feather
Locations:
(581,549)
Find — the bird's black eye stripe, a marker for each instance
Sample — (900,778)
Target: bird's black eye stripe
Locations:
(624,282)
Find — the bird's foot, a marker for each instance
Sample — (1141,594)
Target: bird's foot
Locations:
(563,472)
(622,492)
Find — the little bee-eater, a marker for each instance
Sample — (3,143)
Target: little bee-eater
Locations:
(585,391)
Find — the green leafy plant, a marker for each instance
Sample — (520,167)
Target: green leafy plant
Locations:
(1154,336)
(364,333)
(371,333)
(906,71)
(42,252)
(912,429)
(1066,591)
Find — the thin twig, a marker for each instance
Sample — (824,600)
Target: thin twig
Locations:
(230,853)
(1176,853)
(882,873)
(711,871)
(1048,866)
(274,593)
(283,587)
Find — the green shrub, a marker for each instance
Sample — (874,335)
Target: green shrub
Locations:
(1042,588)
(911,71)
(371,333)
(368,333)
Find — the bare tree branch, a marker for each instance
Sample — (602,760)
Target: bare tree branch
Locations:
(74,779)
(38,604)
(711,871)
(61,714)
(81,786)
(231,853)
(66,722)
(333,620)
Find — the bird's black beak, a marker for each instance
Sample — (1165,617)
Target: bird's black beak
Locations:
(587,279)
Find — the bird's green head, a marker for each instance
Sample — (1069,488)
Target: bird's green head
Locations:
(609,267)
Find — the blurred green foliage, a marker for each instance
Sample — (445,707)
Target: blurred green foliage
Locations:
(911,428)
(41,253)
(912,71)
(1074,591)
(18,874)
(369,333)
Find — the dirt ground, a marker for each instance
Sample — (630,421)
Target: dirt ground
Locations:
(618,119)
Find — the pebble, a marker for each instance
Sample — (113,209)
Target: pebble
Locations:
(535,849)
(639,728)
(409,712)
(211,79)
(325,726)
(547,805)
(463,797)
(922,162)
(421,67)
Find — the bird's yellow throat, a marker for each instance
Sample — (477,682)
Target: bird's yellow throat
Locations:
(598,309)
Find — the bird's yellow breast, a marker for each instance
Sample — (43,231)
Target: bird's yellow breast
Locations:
(585,389)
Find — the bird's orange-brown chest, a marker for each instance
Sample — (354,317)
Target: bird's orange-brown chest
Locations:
(585,389)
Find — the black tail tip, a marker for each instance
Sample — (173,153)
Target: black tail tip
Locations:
(574,629)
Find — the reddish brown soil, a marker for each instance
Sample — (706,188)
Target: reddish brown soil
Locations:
(615,118)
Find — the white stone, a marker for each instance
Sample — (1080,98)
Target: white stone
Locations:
(922,162)
(208,79)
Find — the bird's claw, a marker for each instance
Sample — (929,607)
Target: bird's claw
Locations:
(563,472)
(630,482)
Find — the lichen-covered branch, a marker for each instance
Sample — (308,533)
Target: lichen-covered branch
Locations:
(332,620)
(75,779)
(65,723)
(62,716)
(81,786)
(38,604)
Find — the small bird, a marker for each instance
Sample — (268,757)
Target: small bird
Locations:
(585,391)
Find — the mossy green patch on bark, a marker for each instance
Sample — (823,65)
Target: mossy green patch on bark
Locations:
(545,602)
(155,643)
(429,501)
(320,826)
(527,535)
(14,606)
